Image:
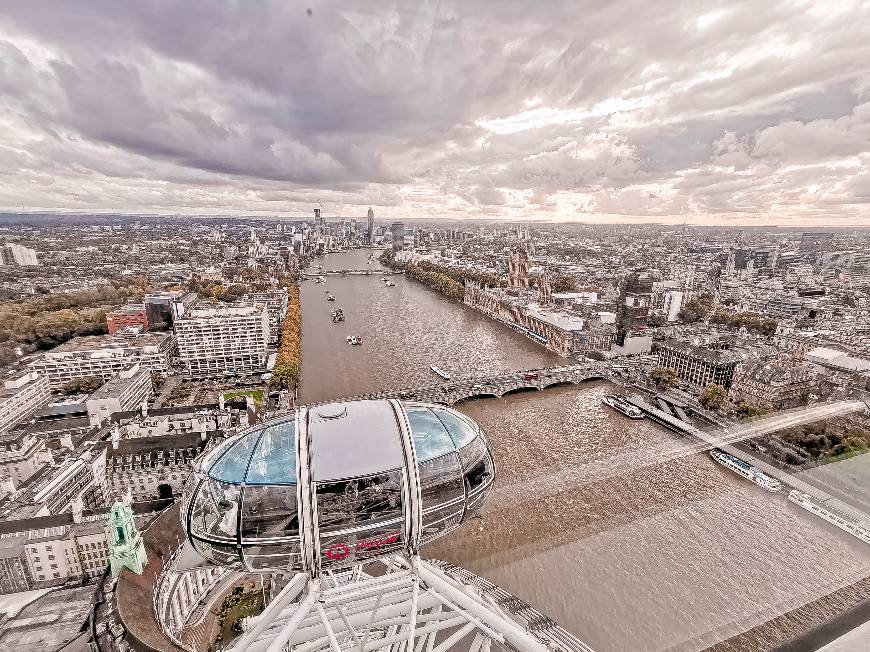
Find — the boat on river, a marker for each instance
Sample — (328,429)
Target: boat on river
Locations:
(440,372)
(329,297)
(354,340)
(619,404)
(337,315)
(745,470)
(835,518)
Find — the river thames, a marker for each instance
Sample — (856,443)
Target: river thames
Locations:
(626,554)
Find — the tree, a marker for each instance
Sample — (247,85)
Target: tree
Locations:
(663,377)
(713,397)
(564,283)
(85,384)
(697,308)
(750,410)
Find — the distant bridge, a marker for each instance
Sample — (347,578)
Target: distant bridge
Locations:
(351,272)
(453,391)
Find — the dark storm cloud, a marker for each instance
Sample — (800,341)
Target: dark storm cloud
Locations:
(516,108)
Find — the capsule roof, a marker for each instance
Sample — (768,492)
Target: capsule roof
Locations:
(337,484)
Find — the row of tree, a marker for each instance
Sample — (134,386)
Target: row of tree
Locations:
(749,320)
(288,362)
(446,280)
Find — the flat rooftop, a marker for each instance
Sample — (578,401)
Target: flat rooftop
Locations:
(217,312)
(94,343)
(115,386)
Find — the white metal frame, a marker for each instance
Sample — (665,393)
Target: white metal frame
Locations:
(415,606)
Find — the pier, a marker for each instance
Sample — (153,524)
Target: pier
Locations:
(724,439)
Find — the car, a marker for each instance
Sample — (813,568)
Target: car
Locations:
(531,375)
(407,394)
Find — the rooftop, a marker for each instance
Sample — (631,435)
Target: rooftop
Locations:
(218,311)
(99,343)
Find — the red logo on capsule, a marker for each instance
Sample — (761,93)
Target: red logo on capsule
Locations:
(340,551)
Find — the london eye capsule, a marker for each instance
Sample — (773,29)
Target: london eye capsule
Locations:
(336,484)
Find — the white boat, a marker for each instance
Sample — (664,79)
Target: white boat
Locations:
(834,518)
(329,297)
(619,404)
(390,284)
(354,340)
(745,470)
(440,372)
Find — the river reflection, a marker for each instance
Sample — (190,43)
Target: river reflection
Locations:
(405,330)
(628,555)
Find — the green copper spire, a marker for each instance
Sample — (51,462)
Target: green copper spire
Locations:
(125,542)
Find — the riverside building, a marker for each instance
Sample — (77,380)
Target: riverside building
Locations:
(698,366)
(276,307)
(228,339)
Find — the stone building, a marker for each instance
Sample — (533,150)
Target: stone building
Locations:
(772,386)
(152,467)
(697,365)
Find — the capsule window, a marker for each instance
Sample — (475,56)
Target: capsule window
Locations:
(358,502)
(232,465)
(274,460)
(215,510)
(430,436)
(460,430)
(269,512)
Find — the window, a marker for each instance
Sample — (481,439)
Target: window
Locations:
(41,577)
(54,565)
(51,557)
(57,575)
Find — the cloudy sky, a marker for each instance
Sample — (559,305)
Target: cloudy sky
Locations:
(705,112)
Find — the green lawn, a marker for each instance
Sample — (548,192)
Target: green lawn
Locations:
(257,395)
(236,606)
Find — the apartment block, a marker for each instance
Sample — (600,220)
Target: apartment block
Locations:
(126,391)
(21,397)
(229,339)
(105,356)
(276,306)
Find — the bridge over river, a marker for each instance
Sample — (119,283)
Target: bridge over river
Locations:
(351,272)
(453,391)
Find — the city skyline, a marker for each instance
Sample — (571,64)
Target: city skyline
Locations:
(710,114)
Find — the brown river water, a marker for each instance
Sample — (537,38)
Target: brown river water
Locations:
(626,554)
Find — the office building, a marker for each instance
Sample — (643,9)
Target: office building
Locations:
(772,386)
(370,233)
(77,480)
(225,339)
(635,299)
(152,467)
(22,454)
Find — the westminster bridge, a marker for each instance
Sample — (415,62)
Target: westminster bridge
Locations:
(351,272)
(449,392)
